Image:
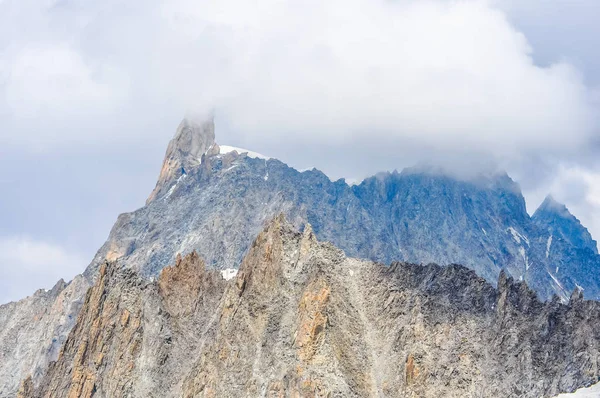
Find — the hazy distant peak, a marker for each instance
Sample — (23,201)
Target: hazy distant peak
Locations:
(558,220)
(473,175)
(192,138)
(552,205)
(488,179)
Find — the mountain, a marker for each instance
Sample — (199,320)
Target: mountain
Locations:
(302,319)
(560,223)
(214,199)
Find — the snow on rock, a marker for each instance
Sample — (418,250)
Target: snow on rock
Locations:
(227,149)
(525,258)
(229,273)
(266,177)
(353,181)
(563,293)
(517,236)
(168,195)
(548,245)
(590,392)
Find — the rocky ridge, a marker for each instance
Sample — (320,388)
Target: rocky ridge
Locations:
(216,204)
(214,201)
(301,319)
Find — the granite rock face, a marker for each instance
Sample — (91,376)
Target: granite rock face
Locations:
(301,319)
(192,140)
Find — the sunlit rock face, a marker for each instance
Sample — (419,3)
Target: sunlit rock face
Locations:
(193,140)
(300,319)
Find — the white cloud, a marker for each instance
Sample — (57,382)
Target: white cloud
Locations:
(27,265)
(351,87)
(443,74)
(55,80)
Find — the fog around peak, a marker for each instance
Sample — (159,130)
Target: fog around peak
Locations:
(92,92)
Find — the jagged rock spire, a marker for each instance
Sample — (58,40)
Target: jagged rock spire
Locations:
(560,222)
(193,139)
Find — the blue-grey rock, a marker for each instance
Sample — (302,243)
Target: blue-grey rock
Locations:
(217,204)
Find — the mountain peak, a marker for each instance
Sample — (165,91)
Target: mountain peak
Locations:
(558,220)
(193,139)
(552,205)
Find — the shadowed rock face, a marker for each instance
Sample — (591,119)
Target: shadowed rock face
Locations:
(302,320)
(33,330)
(134,337)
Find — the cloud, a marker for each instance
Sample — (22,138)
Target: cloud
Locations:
(27,265)
(351,87)
(559,29)
(55,80)
(442,74)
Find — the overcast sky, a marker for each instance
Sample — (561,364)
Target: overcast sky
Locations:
(92,91)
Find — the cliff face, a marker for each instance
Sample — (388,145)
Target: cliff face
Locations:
(301,319)
(33,330)
(191,142)
(214,201)
(134,337)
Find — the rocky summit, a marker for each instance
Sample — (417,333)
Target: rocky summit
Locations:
(301,319)
(186,317)
(216,201)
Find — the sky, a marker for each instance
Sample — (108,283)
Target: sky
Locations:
(91,93)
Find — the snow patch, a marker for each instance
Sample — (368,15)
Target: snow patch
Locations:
(305,170)
(266,177)
(590,392)
(223,149)
(556,280)
(517,236)
(525,258)
(170,192)
(564,295)
(353,181)
(229,273)
(548,244)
